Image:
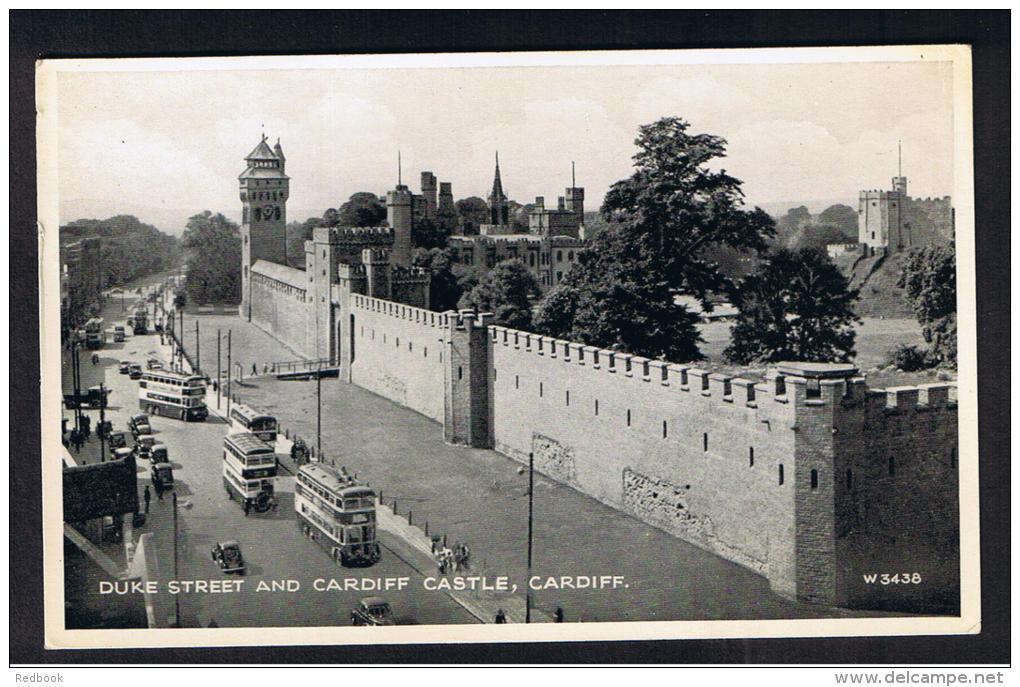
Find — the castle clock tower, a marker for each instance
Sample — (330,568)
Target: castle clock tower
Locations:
(264,191)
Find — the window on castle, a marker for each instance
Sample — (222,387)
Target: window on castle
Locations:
(541,389)
(628,417)
(665,429)
(426,352)
(559,256)
(568,397)
(398,342)
(570,256)
(849,479)
(596,406)
(782,477)
(814,388)
(531,259)
(704,441)
(750,457)
(952,457)
(517,381)
(892,466)
(814,479)
(460,372)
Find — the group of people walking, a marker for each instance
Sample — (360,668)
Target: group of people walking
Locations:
(452,560)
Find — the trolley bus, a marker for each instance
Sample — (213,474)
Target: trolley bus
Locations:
(249,470)
(95,337)
(140,321)
(337,513)
(246,419)
(174,394)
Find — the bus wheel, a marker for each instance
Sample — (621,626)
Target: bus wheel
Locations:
(154,411)
(184,415)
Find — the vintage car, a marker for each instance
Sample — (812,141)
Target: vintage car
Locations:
(123,452)
(138,419)
(125,366)
(93,397)
(159,454)
(162,476)
(135,372)
(144,444)
(373,610)
(227,554)
(154,364)
(118,439)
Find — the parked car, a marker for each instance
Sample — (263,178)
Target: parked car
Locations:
(118,439)
(162,477)
(373,610)
(227,555)
(125,366)
(138,419)
(123,452)
(154,364)
(159,454)
(135,372)
(144,444)
(92,397)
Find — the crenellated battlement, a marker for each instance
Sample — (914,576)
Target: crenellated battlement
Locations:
(400,311)
(375,256)
(346,270)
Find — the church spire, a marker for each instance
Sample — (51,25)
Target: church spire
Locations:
(497,184)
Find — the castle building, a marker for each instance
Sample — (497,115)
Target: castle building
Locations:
(299,306)
(806,477)
(892,222)
(549,249)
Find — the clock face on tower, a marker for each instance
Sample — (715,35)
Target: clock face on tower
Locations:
(267,211)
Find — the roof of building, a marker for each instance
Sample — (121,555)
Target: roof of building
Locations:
(286,274)
(262,151)
(497,184)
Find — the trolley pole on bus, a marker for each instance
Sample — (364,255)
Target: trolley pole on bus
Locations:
(198,350)
(531,520)
(229,371)
(218,368)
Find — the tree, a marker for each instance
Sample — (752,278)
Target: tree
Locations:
(429,234)
(297,234)
(843,217)
(363,209)
(929,279)
(661,224)
(444,289)
(506,291)
(472,212)
(214,259)
(798,306)
(817,236)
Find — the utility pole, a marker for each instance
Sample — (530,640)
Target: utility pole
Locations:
(229,371)
(181,343)
(218,369)
(177,597)
(102,424)
(198,350)
(531,520)
(76,385)
(318,412)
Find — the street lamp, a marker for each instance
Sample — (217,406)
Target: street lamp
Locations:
(531,520)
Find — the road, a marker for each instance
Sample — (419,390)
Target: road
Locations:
(272,544)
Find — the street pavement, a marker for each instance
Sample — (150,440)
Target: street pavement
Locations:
(272,544)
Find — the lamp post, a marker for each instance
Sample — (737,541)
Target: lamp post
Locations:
(531,519)
(318,412)
(229,370)
(102,424)
(218,368)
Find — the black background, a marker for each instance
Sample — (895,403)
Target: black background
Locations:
(36,34)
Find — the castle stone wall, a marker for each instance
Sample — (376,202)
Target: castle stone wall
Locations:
(398,353)
(667,444)
(280,307)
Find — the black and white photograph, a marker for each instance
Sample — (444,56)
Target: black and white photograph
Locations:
(387,349)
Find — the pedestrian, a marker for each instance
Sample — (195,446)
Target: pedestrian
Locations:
(254,369)
(247,507)
(500,617)
(440,563)
(148,498)
(558,615)
(265,369)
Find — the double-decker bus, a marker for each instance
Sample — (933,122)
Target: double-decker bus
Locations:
(140,321)
(337,513)
(94,334)
(246,419)
(182,396)
(249,470)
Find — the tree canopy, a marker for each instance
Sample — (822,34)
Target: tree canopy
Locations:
(506,291)
(129,249)
(929,279)
(362,209)
(213,271)
(798,306)
(662,223)
(471,212)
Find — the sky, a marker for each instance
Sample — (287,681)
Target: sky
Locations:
(172,143)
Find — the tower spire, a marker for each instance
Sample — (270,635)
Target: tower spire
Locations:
(573,175)
(400,179)
(899,156)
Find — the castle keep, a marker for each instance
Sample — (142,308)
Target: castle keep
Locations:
(808,476)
